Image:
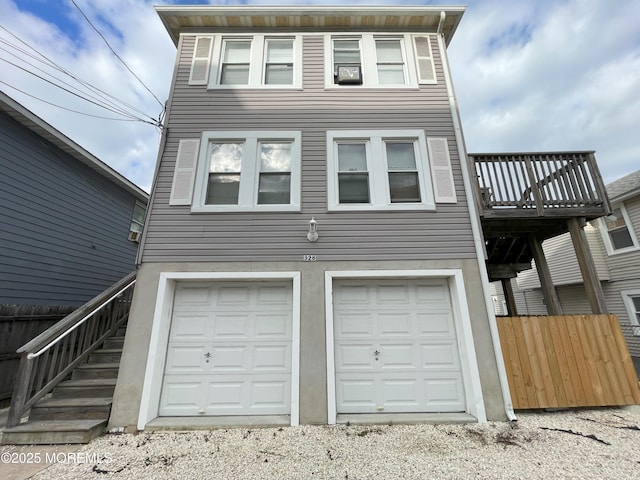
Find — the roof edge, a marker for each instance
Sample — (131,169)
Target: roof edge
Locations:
(44,129)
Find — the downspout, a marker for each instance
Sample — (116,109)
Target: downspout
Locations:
(475,224)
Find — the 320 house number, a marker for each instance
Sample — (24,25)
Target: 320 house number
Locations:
(310,258)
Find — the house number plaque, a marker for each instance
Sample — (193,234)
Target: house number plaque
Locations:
(310,258)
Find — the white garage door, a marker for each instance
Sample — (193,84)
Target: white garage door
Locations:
(229,350)
(395,347)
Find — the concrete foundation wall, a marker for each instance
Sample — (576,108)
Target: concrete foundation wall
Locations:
(313,358)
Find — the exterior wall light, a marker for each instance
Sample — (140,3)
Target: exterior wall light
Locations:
(312,235)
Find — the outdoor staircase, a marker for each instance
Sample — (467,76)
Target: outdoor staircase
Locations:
(77,410)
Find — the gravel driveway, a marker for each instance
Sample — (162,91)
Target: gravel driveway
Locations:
(591,443)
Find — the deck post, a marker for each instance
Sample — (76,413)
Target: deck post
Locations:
(546,282)
(587,266)
(512,309)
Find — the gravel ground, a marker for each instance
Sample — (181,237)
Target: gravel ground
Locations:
(584,444)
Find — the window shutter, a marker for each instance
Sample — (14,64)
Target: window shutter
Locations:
(184,173)
(200,61)
(441,173)
(424,59)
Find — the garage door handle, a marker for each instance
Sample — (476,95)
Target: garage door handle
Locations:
(207,356)
(376,353)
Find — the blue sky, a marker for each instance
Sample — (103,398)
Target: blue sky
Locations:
(529,75)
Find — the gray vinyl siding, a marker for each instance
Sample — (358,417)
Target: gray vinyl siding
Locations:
(174,234)
(64,226)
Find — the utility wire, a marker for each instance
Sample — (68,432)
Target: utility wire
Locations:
(132,117)
(114,52)
(68,109)
(54,65)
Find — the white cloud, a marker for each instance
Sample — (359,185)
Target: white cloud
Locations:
(529,75)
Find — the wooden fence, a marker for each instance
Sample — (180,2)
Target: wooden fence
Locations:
(567,361)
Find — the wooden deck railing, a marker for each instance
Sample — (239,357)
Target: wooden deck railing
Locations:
(539,182)
(49,358)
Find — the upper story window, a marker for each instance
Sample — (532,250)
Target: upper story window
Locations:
(243,171)
(631,300)
(378,170)
(618,233)
(240,61)
(137,221)
(372,60)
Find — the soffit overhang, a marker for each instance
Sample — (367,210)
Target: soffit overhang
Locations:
(177,19)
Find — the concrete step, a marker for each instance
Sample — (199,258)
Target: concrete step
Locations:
(54,432)
(96,370)
(114,342)
(106,355)
(85,388)
(71,409)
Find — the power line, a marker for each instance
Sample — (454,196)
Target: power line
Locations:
(55,66)
(114,52)
(68,109)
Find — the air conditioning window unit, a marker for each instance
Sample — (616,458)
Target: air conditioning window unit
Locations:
(349,75)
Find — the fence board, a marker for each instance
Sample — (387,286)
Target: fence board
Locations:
(567,361)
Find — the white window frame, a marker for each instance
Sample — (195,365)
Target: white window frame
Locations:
(249,172)
(379,194)
(604,231)
(627,298)
(369,60)
(257,61)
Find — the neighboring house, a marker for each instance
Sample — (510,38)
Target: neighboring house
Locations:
(68,225)
(312,253)
(68,219)
(615,247)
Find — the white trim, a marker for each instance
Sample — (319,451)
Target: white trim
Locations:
(478,237)
(154,371)
(248,195)
(606,239)
(377,165)
(627,298)
(462,319)
(369,62)
(256,61)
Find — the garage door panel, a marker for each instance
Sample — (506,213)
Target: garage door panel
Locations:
(358,325)
(445,394)
(232,327)
(271,358)
(273,326)
(273,295)
(232,296)
(180,397)
(436,291)
(392,293)
(396,324)
(356,395)
(230,346)
(195,296)
(190,327)
(410,324)
(354,356)
(400,394)
(440,356)
(435,323)
(397,356)
(186,359)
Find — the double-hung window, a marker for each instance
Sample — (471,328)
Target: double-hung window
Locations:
(246,171)
(378,170)
(631,300)
(371,60)
(256,61)
(618,233)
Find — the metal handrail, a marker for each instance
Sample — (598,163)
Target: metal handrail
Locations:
(76,325)
(49,358)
